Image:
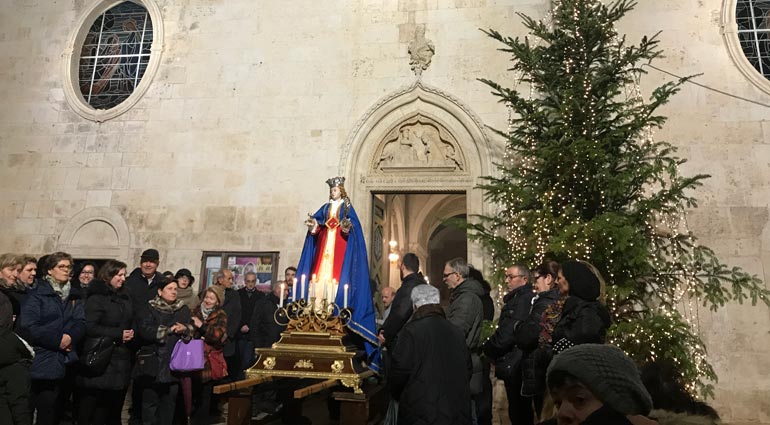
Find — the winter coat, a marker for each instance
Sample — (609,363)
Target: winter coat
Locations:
(430,371)
(7,312)
(581,322)
(140,291)
(248,301)
(43,321)
(16,294)
(400,308)
(157,319)
(514,312)
(232,306)
(466,312)
(214,328)
(108,314)
(536,358)
(263,330)
(188,296)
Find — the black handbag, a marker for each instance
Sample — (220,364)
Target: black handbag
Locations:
(147,362)
(97,353)
(507,366)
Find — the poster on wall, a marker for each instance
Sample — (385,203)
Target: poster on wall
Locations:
(264,264)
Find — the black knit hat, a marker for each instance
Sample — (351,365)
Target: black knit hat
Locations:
(583,283)
(608,373)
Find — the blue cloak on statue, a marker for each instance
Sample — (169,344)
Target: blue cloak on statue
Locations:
(354,272)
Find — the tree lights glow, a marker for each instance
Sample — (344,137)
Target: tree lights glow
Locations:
(583,177)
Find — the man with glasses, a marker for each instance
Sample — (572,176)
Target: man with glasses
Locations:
(466,312)
(502,344)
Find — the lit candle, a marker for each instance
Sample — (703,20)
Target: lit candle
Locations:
(302,287)
(333,290)
(282,289)
(345,297)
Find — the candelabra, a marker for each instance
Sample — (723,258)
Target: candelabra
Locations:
(311,346)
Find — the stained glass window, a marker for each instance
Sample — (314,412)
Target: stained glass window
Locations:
(753,19)
(115,55)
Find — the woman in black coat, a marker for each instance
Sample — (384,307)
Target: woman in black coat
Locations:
(108,316)
(164,321)
(584,319)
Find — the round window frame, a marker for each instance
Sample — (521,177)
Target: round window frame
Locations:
(729,29)
(72,59)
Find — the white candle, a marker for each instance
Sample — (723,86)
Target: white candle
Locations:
(302,287)
(333,290)
(282,289)
(326,294)
(345,297)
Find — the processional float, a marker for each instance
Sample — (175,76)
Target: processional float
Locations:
(312,345)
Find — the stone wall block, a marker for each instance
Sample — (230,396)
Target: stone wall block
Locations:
(219,219)
(95,178)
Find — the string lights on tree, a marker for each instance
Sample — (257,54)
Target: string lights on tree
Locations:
(583,177)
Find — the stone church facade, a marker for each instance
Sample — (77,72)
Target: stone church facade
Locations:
(246,108)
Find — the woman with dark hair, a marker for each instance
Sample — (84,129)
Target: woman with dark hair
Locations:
(584,319)
(164,321)
(83,275)
(108,317)
(53,321)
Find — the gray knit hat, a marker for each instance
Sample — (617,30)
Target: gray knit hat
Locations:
(608,373)
(425,294)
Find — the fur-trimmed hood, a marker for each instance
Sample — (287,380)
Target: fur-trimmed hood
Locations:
(665,417)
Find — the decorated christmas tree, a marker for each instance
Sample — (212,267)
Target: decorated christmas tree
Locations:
(584,178)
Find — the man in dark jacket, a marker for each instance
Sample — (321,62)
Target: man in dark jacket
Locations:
(466,312)
(431,366)
(518,301)
(249,297)
(142,284)
(232,307)
(15,358)
(401,308)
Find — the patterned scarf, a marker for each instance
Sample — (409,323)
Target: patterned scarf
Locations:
(549,319)
(162,305)
(63,291)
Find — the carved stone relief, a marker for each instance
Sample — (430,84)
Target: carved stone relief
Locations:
(421,51)
(419,144)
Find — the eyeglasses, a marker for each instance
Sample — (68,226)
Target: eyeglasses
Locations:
(446,275)
(511,276)
(86,272)
(63,267)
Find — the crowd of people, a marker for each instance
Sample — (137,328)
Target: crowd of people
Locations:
(75,338)
(549,349)
(74,341)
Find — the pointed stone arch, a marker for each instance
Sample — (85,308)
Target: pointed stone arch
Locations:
(441,124)
(97,232)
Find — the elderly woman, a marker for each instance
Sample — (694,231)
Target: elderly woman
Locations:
(210,322)
(108,316)
(165,320)
(53,321)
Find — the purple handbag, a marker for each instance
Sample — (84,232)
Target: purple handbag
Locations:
(187,357)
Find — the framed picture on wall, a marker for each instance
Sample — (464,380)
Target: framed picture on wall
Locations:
(264,264)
